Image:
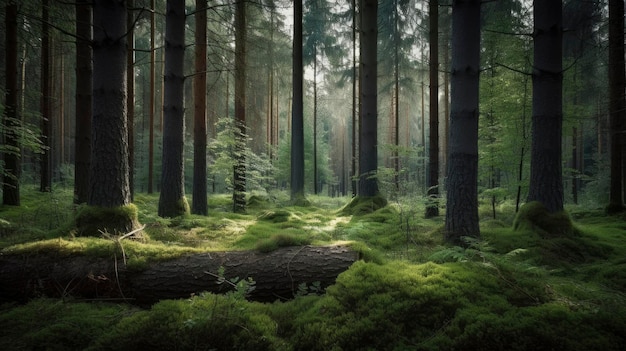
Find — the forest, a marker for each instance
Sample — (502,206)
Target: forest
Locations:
(312,175)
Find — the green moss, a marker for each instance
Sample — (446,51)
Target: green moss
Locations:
(95,220)
(362,205)
(535,216)
(281,240)
(276,216)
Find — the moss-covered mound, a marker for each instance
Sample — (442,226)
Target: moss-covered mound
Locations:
(362,205)
(536,217)
(95,220)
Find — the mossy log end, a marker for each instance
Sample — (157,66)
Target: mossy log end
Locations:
(277,274)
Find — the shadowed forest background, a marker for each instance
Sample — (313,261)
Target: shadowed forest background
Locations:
(318,175)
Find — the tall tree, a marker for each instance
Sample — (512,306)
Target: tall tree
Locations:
(432,208)
(199,198)
(11,120)
(617,104)
(152,97)
(368,154)
(297,124)
(546,182)
(130,92)
(110,189)
(239,170)
(46,101)
(83,101)
(353,165)
(172,202)
(462,193)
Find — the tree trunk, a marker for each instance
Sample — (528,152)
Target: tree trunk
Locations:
(239,171)
(83,101)
(172,202)
(368,154)
(109,156)
(297,123)
(152,98)
(46,108)
(12,165)
(546,179)
(315,180)
(432,206)
(355,122)
(616,103)
(462,192)
(199,200)
(130,100)
(276,275)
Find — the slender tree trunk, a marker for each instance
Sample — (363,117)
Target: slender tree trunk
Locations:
(130,101)
(297,124)
(546,179)
(152,98)
(617,104)
(462,192)
(109,157)
(83,101)
(522,154)
(315,180)
(199,199)
(239,171)
(432,207)
(353,168)
(368,153)
(46,108)
(396,111)
(172,202)
(12,165)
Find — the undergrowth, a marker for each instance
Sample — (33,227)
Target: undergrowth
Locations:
(524,289)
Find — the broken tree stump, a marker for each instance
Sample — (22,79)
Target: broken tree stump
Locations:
(277,274)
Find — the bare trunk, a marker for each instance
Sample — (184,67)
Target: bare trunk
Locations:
(130,101)
(109,156)
(368,153)
(239,171)
(297,123)
(152,99)
(432,207)
(46,109)
(546,179)
(172,202)
(199,200)
(83,101)
(11,120)
(462,192)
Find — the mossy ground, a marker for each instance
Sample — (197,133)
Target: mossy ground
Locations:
(529,288)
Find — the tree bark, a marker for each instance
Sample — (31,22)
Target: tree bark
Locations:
(152,98)
(239,170)
(616,103)
(368,154)
(276,275)
(109,154)
(297,123)
(11,120)
(172,202)
(130,93)
(199,200)
(83,101)
(462,192)
(546,179)
(46,102)
(432,207)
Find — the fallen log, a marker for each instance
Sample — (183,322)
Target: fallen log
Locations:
(276,275)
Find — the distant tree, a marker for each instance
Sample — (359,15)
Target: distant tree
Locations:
(46,101)
(462,193)
(368,154)
(11,120)
(83,101)
(239,171)
(546,180)
(617,104)
(172,202)
(297,124)
(432,208)
(199,198)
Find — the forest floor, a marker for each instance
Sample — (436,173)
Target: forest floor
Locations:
(523,289)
